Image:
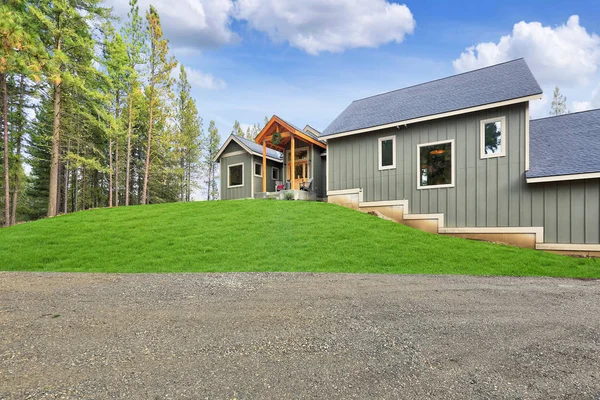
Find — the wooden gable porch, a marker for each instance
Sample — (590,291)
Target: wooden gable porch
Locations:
(280,135)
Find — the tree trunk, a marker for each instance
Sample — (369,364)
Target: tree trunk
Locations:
(148,145)
(54,163)
(128,163)
(19,139)
(110,174)
(117,173)
(83,188)
(66,201)
(117,153)
(53,192)
(6,171)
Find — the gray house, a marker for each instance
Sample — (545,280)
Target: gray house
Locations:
(293,158)
(460,156)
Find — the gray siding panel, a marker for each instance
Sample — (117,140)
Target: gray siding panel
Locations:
(488,192)
(592,212)
(241,192)
(270,181)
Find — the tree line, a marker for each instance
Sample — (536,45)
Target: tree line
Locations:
(95,116)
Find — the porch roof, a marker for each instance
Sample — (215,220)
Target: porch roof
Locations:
(286,131)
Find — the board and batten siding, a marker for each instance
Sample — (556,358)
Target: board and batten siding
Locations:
(270,182)
(318,166)
(239,192)
(490,192)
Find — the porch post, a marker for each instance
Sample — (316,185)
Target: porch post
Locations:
(293,167)
(264,167)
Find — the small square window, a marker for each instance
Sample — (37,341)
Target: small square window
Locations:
(275,174)
(387,152)
(436,165)
(258,169)
(493,137)
(235,176)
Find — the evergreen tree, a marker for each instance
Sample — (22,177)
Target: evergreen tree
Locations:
(160,67)
(134,33)
(117,65)
(211,165)
(237,129)
(19,54)
(189,135)
(69,45)
(559,103)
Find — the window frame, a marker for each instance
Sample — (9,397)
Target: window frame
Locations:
(380,156)
(278,173)
(452,162)
(254,170)
(229,176)
(503,135)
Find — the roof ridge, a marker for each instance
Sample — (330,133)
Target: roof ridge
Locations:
(566,115)
(439,79)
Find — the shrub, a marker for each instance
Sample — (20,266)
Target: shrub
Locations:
(289,195)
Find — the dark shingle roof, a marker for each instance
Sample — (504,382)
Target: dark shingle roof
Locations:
(257,148)
(564,145)
(506,81)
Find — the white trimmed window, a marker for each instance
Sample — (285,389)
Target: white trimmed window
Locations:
(493,137)
(435,165)
(387,152)
(235,175)
(258,169)
(275,174)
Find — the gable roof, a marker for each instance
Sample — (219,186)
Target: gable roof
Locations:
(499,83)
(251,147)
(277,122)
(564,145)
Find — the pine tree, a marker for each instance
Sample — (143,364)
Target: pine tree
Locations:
(160,69)
(237,129)
(117,65)
(18,55)
(559,103)
(189,135)
(134,33)
(211,165)
(69,46)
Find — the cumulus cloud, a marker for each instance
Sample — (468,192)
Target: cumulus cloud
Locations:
(594,102)
(566,54)
(189,23)
(317,26)
(199,79)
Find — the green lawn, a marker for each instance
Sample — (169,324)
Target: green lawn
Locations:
(260,235)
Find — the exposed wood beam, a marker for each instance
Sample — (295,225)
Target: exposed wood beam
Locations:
(293,169)
(264,168)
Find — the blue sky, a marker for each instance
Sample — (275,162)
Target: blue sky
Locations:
(306,61)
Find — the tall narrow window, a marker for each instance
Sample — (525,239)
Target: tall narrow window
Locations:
(275,174)
(493,137)
(387,152)
(258,170)
(436,165)
(235,175)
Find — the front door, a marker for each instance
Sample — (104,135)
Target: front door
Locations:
(300,173)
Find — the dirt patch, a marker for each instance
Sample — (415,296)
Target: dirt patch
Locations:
(247,336)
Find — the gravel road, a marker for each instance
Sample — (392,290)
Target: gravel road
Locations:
(297,336)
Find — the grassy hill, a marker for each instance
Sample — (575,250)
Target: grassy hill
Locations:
(255,235)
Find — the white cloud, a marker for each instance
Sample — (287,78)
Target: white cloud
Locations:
(566,54)
(316,26)
(199,79)
(594,102)
(188,23)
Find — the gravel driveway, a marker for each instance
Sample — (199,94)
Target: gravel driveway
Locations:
(296,336)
